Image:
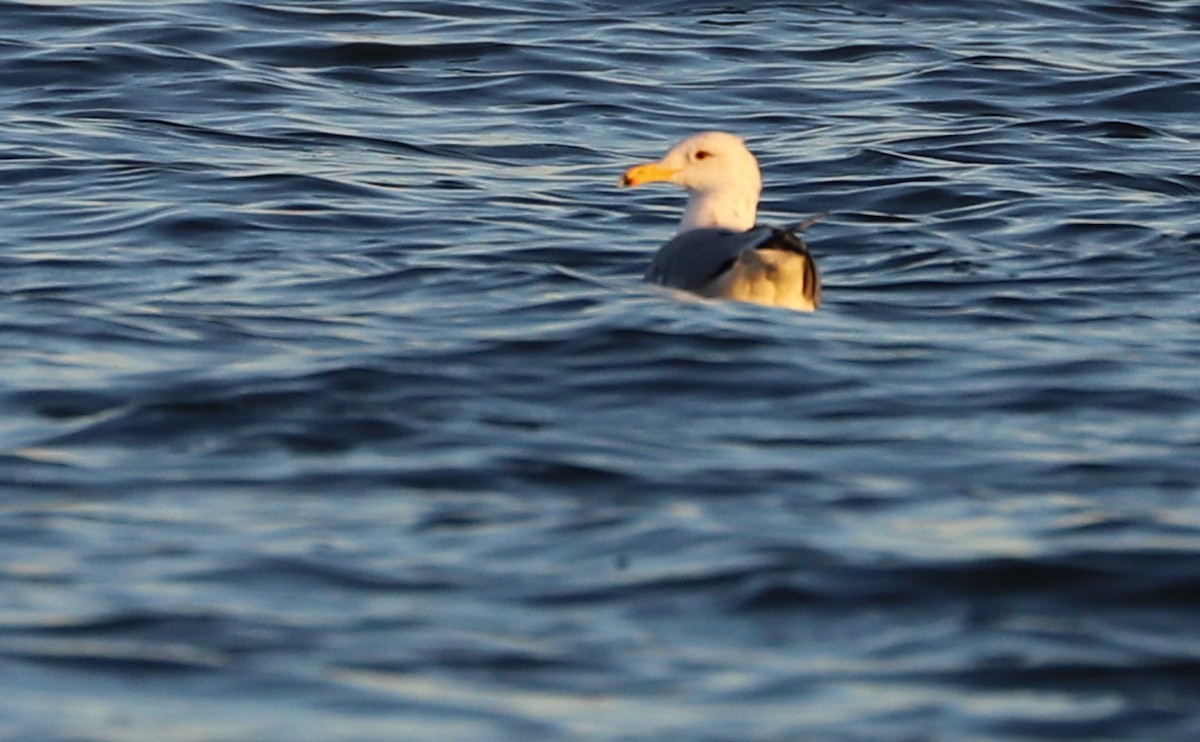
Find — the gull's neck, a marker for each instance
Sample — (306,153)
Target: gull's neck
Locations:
(723,209)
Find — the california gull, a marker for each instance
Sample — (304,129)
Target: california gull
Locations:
(719,250)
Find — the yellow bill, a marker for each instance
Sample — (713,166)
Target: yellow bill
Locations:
(651,172)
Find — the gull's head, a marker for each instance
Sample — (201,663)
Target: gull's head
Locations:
(721,176)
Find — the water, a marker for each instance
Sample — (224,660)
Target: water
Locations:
(334,407)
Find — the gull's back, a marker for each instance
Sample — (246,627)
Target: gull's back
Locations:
(764,265)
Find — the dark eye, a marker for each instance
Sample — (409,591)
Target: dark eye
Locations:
(703,154)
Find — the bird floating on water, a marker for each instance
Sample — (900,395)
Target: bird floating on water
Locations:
(719,250)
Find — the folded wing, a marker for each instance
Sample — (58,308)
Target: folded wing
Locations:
(765,265)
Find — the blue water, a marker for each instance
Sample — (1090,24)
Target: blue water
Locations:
(332,405)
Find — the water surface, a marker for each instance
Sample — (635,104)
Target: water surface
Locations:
(334,406)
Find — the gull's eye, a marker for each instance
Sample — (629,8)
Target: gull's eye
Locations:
(703,155)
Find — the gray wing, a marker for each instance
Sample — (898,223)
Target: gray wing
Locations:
(694,258)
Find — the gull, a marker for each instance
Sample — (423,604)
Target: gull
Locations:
(720,251)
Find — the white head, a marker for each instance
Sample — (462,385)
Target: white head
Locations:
(721,176)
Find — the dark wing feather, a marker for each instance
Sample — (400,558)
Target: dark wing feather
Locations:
(694,258)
